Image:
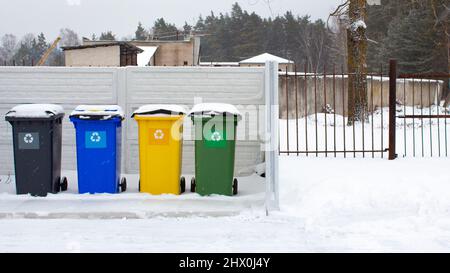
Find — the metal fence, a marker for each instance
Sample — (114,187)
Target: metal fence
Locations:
(314,115)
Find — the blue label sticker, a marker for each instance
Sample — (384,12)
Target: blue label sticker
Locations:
(95,139)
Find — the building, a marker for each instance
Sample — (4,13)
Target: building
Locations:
(260,60)
(102,54)
(141,53)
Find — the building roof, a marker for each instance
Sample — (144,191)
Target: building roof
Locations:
(126,45)
(263,58)
(219,64)
(144,58)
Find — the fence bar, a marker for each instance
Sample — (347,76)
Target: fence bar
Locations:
(382,112)
(315,114)
(392,107)
(296,104)
(421,119)
(287,110)
(325,105)
(430,120)
(414,120)
(334,107)
(344,125)
(306,108)
(373,114)
(404,112)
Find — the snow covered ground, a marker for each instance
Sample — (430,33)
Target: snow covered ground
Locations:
(328,205)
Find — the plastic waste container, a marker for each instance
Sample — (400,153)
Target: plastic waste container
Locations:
(98,138)
(160,148)
(215,143)
(37,134)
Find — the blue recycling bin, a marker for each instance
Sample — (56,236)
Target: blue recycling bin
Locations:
(98,139)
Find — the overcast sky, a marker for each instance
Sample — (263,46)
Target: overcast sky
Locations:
(121,16)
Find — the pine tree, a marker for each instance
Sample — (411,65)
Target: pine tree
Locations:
(141,34)
(107,36)
(164,31)
(187,29)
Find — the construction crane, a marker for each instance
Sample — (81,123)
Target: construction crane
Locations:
(47,52)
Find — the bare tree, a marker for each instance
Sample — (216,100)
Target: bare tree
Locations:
(68,37)
(8,47)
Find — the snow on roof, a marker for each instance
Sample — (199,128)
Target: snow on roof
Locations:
(156,109)
(35,111)
(106,111)
(219,64)
(144,58)
(261,59)
(214,109)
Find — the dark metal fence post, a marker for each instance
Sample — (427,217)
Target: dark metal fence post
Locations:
(392,108)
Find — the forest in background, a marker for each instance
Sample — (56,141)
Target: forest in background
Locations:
(411,31)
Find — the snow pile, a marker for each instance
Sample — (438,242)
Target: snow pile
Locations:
(158,109)
(214,109)
(35,111)
(334,192)
(104,111)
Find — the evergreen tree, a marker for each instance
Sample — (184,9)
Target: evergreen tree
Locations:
(107,36)
(416,42)
(187,29)
(164,31)
(141,34)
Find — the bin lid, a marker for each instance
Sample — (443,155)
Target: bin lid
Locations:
(98,112)
(214,109)
(35,111)
(160,109)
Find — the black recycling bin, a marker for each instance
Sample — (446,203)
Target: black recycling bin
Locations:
(37,135)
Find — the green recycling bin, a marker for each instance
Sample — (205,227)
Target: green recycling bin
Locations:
(215,144)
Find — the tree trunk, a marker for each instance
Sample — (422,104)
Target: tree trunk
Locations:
(357,66)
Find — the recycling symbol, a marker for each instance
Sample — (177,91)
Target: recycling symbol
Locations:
(28,138)
(95,137)
(159,134)
(216,137)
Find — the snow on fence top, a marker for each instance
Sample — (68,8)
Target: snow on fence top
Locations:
(103,111)
(35,111)
(158,109)
(214,109)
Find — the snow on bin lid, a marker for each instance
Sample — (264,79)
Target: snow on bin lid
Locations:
(35,111)
(104,111)
(158,109)
(214,109)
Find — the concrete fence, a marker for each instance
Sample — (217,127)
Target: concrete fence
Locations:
(333,91)
(131,87)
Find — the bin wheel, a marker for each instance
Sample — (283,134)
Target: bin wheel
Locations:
(182,184)
(235,186)
(123,184)
(63,184)
(193,184)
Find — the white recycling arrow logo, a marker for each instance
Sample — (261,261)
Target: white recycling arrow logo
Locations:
(216,137)
(95,137)
(28,138)
(159,134)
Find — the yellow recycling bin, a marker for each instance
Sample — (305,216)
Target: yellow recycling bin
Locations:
(160,148)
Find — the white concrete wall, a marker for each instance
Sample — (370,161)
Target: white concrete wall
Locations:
(131,87)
